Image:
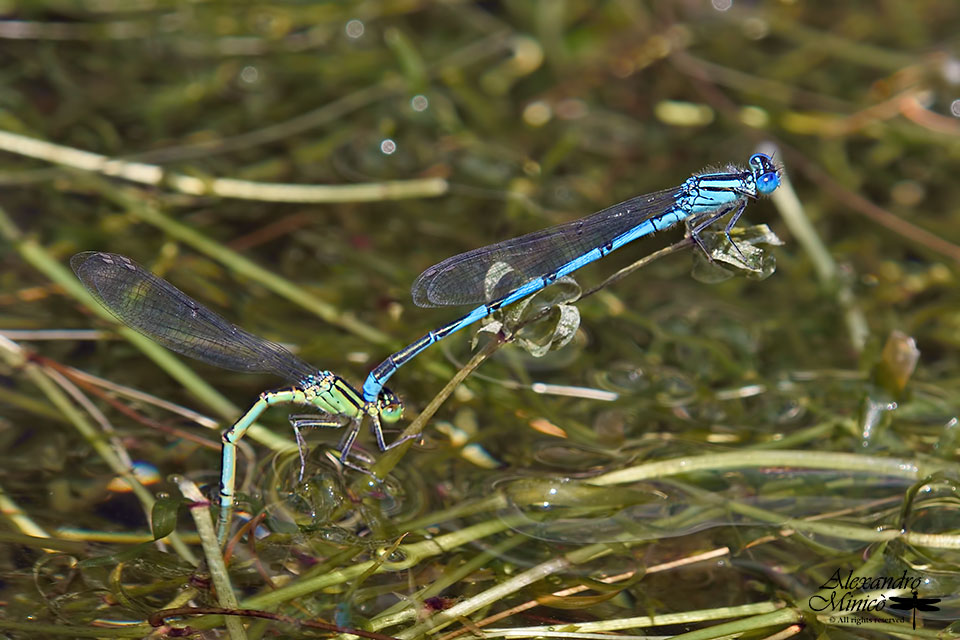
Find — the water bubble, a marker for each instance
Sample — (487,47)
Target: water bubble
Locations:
(354,29)
(249,74)
(419,102)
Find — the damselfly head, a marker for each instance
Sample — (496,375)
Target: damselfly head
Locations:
(766,174)
(389,406)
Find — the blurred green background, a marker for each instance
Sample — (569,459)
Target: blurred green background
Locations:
(425,129)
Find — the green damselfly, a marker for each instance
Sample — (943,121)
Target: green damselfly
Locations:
(154,307)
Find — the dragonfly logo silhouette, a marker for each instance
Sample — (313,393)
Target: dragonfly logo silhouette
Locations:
(914,603)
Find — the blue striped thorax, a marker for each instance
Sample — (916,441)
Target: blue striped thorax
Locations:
(709,192)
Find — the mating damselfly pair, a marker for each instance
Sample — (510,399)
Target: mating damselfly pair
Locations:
(157,309)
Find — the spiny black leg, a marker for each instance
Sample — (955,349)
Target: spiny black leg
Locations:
(347,443)
(378,433)
(301,449)
(733,220)
(302,421)
(703,224)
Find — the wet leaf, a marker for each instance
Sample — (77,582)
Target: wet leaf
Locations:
(555,331)
(744,258)
(163,518)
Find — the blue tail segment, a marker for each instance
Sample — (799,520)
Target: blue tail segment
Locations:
(529,263)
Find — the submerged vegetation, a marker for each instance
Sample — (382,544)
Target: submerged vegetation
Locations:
(761,443)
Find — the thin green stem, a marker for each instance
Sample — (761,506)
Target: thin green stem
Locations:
(37,630)
(746,625)
(156,176)
(660,620)
(897,467)
(226,598)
